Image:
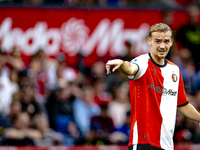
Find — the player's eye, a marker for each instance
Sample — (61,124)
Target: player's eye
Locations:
(158,41)
(166,41)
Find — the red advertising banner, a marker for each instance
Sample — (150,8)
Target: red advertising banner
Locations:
(93,33)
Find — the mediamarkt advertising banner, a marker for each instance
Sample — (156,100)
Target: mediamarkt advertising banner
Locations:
(93,33)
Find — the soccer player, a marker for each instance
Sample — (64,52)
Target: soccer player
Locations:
(156,91)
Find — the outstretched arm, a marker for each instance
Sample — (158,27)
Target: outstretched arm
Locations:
(190,112)
(124,66)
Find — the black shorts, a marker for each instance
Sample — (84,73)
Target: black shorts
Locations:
(144,147)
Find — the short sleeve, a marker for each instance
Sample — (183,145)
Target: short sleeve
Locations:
(142,63)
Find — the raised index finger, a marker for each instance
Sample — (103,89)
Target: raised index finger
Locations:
(108,68)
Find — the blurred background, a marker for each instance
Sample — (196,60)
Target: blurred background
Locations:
(53,86)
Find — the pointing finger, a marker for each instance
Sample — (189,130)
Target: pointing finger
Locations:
(115,68)
(108,68)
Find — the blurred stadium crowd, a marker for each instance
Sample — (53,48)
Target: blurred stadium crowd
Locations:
(49,103)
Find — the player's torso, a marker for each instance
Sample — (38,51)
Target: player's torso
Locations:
(154,100)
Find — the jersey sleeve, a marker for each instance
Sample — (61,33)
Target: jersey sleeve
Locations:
(182,99)
(142,63)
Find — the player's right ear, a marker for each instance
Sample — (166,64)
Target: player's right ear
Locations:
(149,41)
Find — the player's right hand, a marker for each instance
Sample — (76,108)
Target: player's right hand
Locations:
(115,62)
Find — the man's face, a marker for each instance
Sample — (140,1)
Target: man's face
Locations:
(160,43)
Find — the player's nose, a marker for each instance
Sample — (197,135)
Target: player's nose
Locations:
(162,45)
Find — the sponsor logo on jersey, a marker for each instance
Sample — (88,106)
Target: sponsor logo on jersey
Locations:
(164,90)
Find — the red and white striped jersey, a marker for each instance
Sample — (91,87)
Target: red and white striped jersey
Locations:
(155,93)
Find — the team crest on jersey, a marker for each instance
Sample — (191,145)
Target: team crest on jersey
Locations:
(174,77)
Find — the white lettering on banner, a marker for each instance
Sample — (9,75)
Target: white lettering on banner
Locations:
(12,38)
(73,37)
(112,38)
(117,39)
(33,39)
(52,41)
(5,27)
(138,38)
(95,37)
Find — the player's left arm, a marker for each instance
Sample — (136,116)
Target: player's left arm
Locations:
(190,112)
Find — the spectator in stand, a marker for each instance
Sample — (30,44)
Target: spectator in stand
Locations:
(14,78)
(58,71)
(185,61)
(49,136)
(120,105)
(84,109)
(194,129)
(7,85)
(21,134)
(101,127)
(6,121)
(60,103)
(190,78)
(14,60)
(12,86)
(69,130)
(121,134)
(102,96)
(26,95)
(60,111)
(180,126)
(188,35)
(33,2)
(15,109)
(37,73)
(97,70)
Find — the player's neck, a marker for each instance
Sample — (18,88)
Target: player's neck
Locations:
(156,59)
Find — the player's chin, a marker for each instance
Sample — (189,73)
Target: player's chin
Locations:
(162,56)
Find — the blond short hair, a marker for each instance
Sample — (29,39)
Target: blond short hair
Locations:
(160,27)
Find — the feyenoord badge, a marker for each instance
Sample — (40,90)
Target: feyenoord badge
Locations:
(174,77)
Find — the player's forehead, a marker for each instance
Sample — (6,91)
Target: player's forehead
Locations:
(161,35)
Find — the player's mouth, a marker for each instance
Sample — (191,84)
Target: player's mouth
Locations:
(162,51)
